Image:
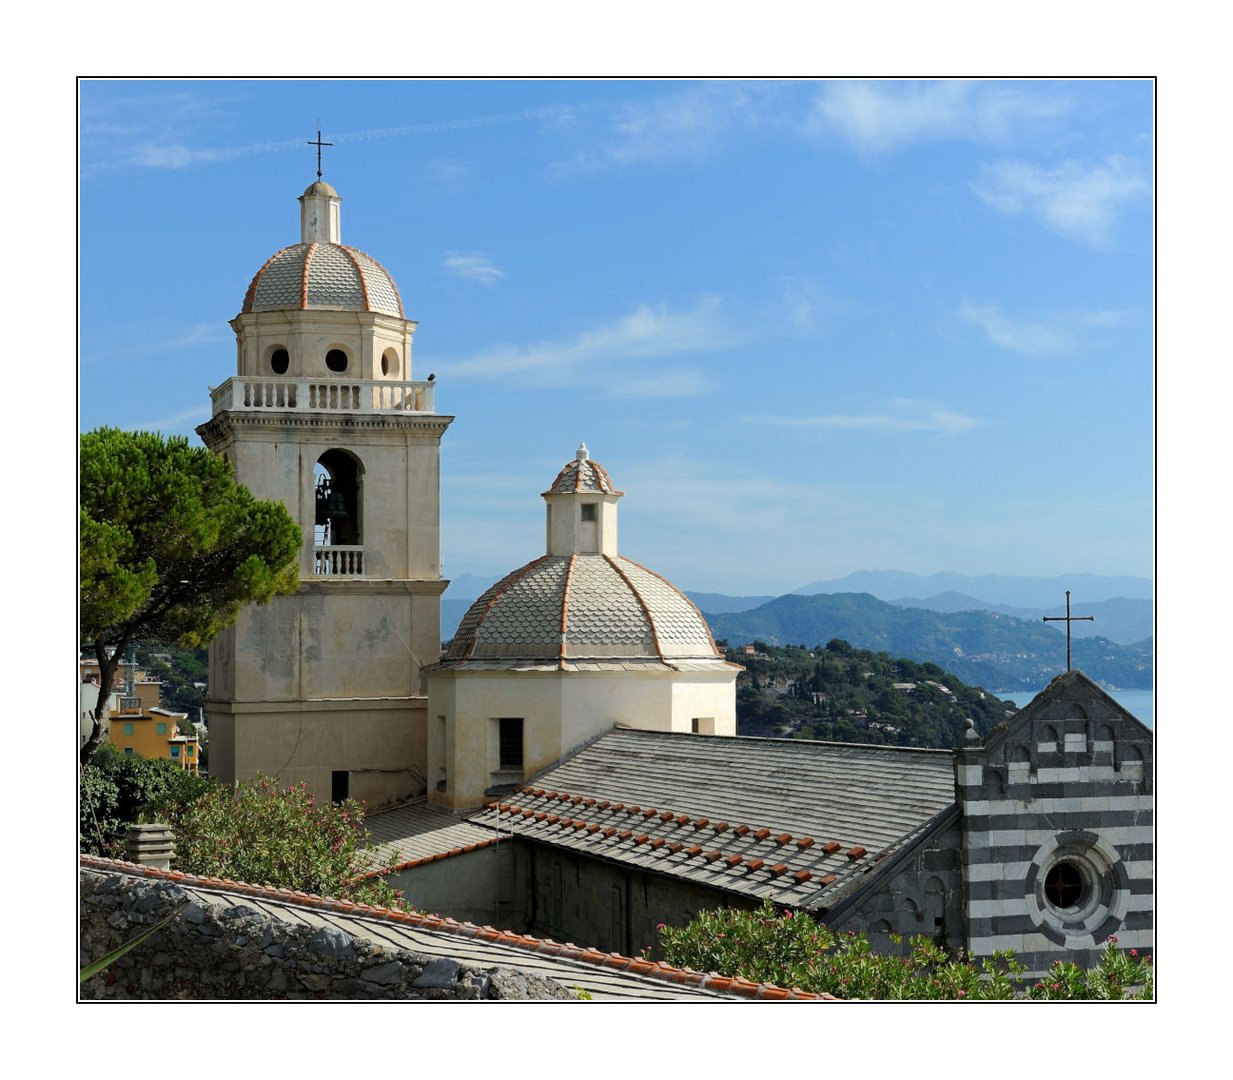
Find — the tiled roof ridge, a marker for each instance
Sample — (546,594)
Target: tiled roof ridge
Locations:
(646,569)
(569,579)
(251,295)
(546,946)
(646,610)
(500,589)
(308,258)
(604,484)
(351,253)
(779,741)
(410,864)
(402,312)
(665,816)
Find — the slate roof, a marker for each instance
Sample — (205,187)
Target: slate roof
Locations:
(582,475)
(417,833)
(605,976)
(798,822)
(319,275)
(561,609)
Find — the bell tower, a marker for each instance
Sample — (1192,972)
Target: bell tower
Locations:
(325,686)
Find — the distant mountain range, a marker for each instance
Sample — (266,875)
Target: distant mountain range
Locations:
(984,648)
(1122,606)
(993,589)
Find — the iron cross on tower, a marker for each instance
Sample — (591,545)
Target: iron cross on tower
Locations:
(1068,618)
(319,144)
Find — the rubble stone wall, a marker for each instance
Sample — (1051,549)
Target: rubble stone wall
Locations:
(222,952)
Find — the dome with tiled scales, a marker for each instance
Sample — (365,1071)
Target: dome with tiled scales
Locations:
(570,645)
(319,272)
(582,603)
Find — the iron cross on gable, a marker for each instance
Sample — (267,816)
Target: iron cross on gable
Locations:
(1068,618)
(319,144)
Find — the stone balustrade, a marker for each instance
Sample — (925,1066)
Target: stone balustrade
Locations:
(338,560)
(247,392)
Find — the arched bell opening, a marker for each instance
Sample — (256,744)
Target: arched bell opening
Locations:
(337,485)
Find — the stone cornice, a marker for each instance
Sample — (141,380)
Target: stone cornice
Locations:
(215,429)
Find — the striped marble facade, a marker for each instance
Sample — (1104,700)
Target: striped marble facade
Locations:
(1058,829)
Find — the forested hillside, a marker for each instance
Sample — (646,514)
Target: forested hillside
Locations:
(981,647)
(844,694)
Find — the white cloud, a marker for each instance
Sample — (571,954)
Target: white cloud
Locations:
(882,117)
(1077,200)
(176,424)
(472,265)
(157,140)
(895,416)
(605,358)
(1055,335)
(686,125)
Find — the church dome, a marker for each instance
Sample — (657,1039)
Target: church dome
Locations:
(582,604)
(582,608)
(581,475)
(323,275)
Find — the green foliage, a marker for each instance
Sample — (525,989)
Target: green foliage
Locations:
(178,669)
(268,835)
(1120,975)
(117,789)
(172,548)
(791,949)
(842,694)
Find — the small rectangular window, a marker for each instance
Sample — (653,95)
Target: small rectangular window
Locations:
(175,752)
(510,743)
(160,728)
(588,511)
(188,750)
(128,729)
(129,750)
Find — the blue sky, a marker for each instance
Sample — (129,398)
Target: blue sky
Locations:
(809,327)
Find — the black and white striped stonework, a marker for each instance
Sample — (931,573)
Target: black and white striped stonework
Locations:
(1057,829)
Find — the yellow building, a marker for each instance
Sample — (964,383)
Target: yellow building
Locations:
(153,733)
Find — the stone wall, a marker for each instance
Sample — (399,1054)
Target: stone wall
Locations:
(220,952)
(924,896)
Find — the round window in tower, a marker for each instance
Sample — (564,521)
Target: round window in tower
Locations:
(280,361)
(336,360)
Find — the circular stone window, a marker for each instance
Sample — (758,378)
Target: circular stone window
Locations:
(336,360)
(280,361)
(1077,889)
(1064,886)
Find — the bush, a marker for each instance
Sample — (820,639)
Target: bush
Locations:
(267,835)
(117,789)
(791,949)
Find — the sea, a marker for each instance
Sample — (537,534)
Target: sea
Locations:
(1141,703)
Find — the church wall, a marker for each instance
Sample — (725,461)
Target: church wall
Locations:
(559,711)
(1066,791)
(470,705)
(597,904)
(707,697)
(379,743)
(473,887)
(923,896)
(330,640)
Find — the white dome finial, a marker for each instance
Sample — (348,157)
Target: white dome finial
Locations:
(582,454)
